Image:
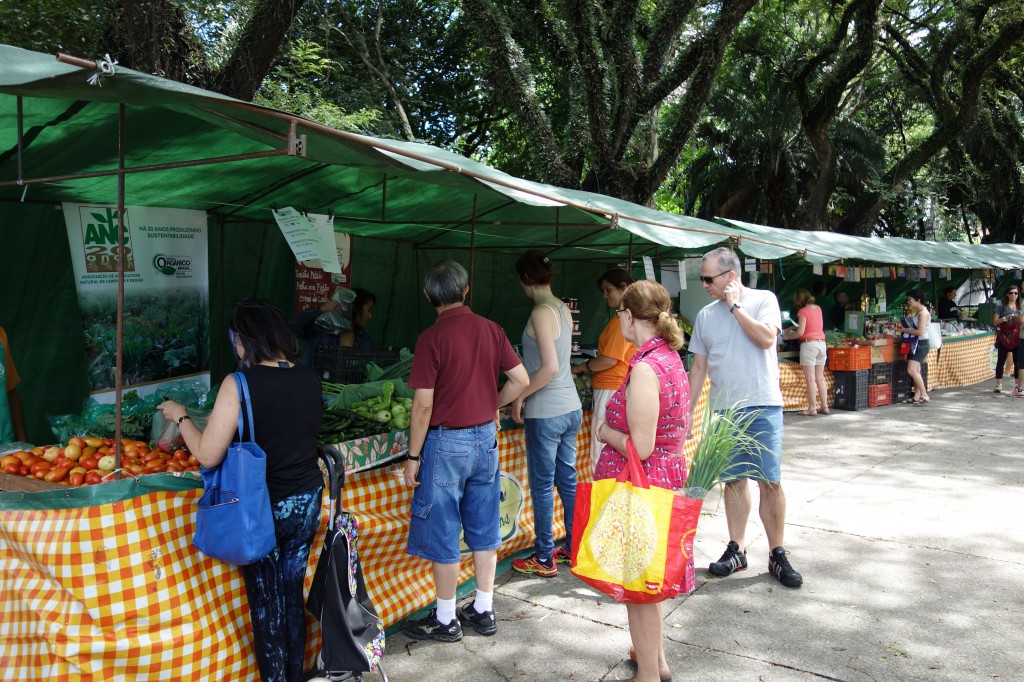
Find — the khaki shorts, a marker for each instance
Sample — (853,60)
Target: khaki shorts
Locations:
(812,353)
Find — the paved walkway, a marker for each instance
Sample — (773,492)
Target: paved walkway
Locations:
(906,522)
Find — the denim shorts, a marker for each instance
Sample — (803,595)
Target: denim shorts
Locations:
(460,489)
(763,462)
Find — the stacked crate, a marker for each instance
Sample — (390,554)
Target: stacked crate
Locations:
(902,388)
(850,390)
(880,380)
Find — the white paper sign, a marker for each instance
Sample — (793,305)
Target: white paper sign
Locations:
(682,275)
(670,280)
(300,234)
(750,265)
(324,226)
(649,268)
(816,269)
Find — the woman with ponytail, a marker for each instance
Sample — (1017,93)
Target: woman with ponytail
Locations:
(651,408)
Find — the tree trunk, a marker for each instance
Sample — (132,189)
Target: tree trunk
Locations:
(257,47)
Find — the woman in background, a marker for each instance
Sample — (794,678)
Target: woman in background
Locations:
(919,351)
(811,332)
(362,313)
(1007,319)
(551,411)
(609,368)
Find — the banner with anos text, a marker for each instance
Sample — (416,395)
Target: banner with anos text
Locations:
(166,292)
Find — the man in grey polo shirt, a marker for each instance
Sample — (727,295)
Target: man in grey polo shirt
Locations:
(734,343)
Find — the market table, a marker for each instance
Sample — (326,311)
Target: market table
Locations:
(962,361)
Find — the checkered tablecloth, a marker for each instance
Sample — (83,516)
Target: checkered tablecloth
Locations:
(961,361)
(117,592)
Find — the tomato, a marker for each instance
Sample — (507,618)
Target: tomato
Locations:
(77,442)
(156,454)
(23,470)
(156,463)
(89,462)
(39,466)
(12,469)
(92,478)
(56,475)
(37,451)
(28,460)
(180,456)
(10,459)
(76,479)
(175,466)
(93,442)
(133,469)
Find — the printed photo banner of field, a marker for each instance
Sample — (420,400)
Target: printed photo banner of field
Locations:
(167,291)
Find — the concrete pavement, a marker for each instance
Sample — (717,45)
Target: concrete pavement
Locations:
(906,522)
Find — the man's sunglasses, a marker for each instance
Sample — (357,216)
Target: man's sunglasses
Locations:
(708,279)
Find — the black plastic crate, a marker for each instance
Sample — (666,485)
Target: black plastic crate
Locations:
(901,391)
(850,390)
(899,372)
(881,373)
(344,365)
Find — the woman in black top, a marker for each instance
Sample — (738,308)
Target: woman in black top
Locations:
(287,408)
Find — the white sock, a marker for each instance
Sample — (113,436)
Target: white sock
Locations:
(445,611)
(484,601)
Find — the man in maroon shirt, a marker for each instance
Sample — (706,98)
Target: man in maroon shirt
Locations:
(453,454)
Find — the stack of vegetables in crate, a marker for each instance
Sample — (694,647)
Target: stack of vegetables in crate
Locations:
(381,404)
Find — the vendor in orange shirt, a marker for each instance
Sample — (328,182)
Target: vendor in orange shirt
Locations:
(612,362)
(12,416)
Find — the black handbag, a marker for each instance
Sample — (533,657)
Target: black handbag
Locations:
(351,632)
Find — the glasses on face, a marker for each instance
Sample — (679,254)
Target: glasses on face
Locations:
(708,279)
(620,310)
(1012,293)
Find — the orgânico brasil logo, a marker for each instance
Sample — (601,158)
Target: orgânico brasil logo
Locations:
(171,265)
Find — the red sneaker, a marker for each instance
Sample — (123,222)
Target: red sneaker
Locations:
(561,556)
(531,565)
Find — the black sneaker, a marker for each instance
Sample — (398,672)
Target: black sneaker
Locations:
(431,628)
(778,565)
(732,561)
(483,623)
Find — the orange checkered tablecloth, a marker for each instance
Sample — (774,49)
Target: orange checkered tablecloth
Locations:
(117,592)
(794,386)
(961,361)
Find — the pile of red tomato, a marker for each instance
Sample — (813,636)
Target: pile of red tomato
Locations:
(87,461)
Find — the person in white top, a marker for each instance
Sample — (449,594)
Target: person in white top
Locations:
(734,344)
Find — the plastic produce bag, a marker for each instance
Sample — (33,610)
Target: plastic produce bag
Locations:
(339,319)
(167,435)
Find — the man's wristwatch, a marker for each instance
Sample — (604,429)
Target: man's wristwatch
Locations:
(735,306)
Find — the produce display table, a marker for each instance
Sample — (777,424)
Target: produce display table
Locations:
(962,361)
(794,386)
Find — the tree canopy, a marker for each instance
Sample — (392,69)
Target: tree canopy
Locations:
(902,118)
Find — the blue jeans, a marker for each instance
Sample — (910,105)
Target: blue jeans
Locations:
(274,587)
(460,488)
(551,458)
(764,461)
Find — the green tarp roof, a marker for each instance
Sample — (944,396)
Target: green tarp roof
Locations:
(375,187)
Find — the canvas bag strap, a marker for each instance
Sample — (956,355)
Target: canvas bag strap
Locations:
(634,469)
(243,397)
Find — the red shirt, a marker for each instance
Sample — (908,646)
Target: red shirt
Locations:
(460,356)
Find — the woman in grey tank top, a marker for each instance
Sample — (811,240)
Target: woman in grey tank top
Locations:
(551,411)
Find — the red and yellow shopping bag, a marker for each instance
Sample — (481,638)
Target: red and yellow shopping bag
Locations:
(631,540)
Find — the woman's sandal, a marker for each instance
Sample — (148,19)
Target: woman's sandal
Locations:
(825,412)
(632,657)
(909,401)
(807,413)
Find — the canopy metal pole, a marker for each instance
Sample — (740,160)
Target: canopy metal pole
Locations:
(21,127)
(121,255)
(472,252)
